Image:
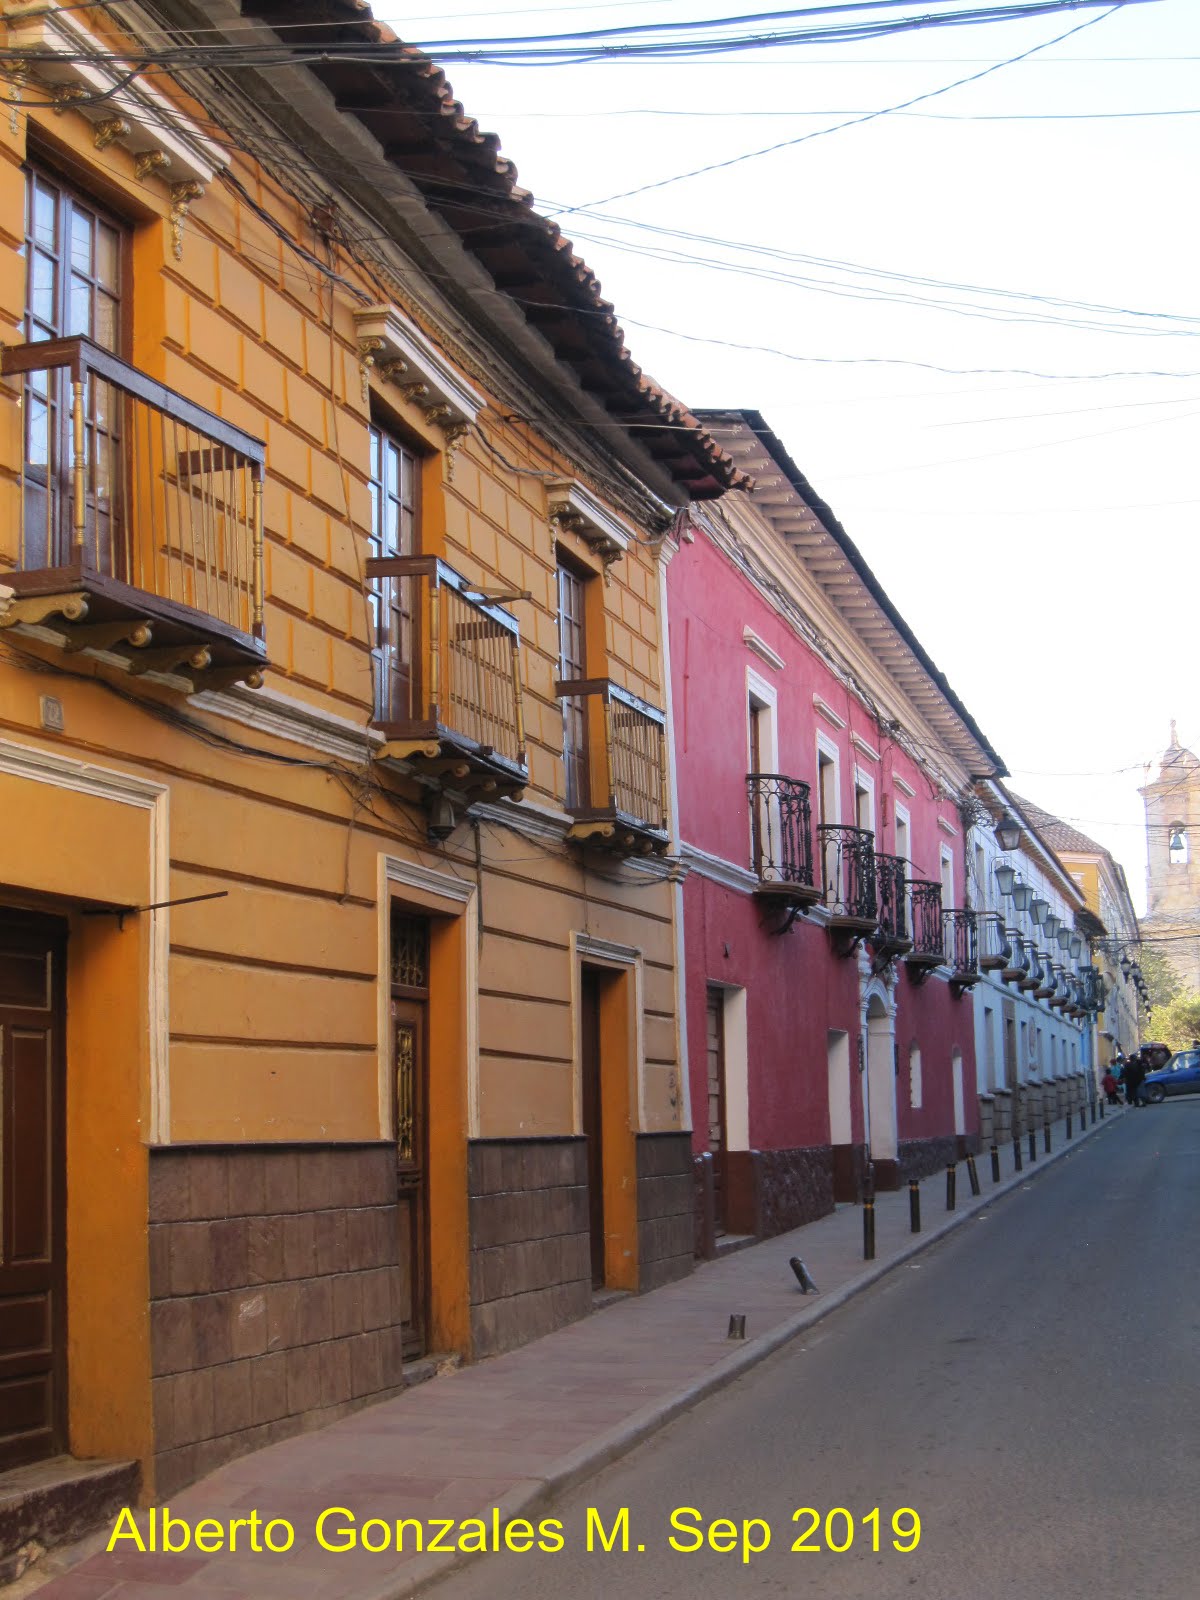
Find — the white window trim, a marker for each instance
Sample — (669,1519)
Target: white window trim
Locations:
(827,748)
(755,641)
(902,816)
(903,786)
(946,857)
(827,711)
(864,780)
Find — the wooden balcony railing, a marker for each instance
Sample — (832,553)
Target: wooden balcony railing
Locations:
(848,876)
(137,514)
(623,803)
(447,676)
(781,837)
(891,878)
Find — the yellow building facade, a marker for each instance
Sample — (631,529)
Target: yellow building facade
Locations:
(337,947)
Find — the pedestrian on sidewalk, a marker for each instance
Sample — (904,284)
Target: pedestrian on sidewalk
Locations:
(1109,1084)
(1135,1071)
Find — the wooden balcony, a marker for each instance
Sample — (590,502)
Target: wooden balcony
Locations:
(447,678)
(138,517)
(618,796)
(781,839)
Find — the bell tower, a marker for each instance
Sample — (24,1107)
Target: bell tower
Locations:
(1172,803)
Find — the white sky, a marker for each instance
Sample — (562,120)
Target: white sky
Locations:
(1045,561)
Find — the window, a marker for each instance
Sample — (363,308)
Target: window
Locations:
(915,1085)
(903,849)
(74,265)
(947,865)
(864,803)
(393,477)
(572,651)
(827,788)
(981,879)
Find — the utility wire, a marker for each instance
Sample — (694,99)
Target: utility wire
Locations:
(870,116)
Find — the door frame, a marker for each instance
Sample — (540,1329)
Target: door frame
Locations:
(51,931)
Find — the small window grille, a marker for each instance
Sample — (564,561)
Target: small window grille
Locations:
(410,952)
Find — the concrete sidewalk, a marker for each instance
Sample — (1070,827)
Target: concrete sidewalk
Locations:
(514,1430)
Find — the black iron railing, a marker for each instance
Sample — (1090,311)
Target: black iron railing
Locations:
(891,879)
(928,943)
(995,951)
(1045,988)
(961,936)
(848,872)
(781,825)
(1017,966)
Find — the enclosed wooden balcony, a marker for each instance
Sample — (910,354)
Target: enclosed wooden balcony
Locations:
(447,677)
(848,882)
(134,517)
(617,777)
(781,839)
(961,938)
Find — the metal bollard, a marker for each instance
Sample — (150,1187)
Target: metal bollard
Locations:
(973,1175)
(737,1325)
(1032,1145)
(914,1205)
(1093,1113)
(1068,1124)
(1102,1111)
(1046,1137)
(951,1186)
(1017,1151)
(995,1165)
(869,1228)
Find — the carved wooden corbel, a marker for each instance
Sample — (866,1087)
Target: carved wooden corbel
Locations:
(415,393)
(367,350)
(563,518)
(150,162)
(66,95)
(17,76)
(109,131)
(182,195)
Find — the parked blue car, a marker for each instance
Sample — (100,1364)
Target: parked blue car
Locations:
(1181,1075)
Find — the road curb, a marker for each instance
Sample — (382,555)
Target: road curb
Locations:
(590,1458)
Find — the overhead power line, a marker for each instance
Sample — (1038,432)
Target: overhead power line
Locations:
(855,122)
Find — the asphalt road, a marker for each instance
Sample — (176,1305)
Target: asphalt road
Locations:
(1030,1387)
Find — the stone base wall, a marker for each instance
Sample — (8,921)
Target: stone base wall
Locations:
(531,1266)
(849,1172)
(918,1158)
(275,1295)
(666,1208)
(773,1191)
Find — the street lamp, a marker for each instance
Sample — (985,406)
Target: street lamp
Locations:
(1076,948)
(1021,896)
(1051,926)
(1064,937)
(1037,910)
(1008,833)
(1005,876)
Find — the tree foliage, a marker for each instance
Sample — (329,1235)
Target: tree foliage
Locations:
(1161,978)
(1178,1022)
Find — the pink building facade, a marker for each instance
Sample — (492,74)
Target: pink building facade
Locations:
(824,769)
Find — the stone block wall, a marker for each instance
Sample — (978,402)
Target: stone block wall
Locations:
(666,1208)
(530,1250)
(772,1191)
(275,1295)
(919,1158)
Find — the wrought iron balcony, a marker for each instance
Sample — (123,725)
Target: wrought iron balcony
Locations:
(1061,997)
(1046,984)
(781,838)
(891,936)
(137,517)
(995,951)
(929,945)
(961,937)
(1032,976)
(1018,957)
(622,804)
(447,677)
(848,877)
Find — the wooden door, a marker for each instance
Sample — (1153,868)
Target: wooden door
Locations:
(410,1078)
(593,1125)
(395,602)
(32,1189)
(715,1033)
